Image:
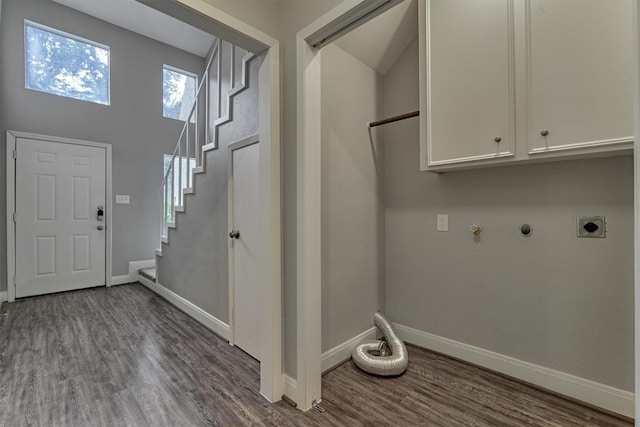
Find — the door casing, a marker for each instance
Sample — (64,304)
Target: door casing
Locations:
(12,137)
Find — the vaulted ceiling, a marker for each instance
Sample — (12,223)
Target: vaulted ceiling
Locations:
(378,43)
(141,19)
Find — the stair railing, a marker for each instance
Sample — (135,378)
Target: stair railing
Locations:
(186,155)
(210,109)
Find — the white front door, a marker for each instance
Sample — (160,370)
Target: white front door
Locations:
(244,256)
(60,240)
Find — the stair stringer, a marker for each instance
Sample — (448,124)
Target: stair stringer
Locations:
(232,96)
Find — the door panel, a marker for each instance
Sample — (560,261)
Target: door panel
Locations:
(471,92)
(245,255)
(580,73)
(59,187)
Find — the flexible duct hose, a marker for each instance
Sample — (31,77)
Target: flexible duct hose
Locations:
(383,365)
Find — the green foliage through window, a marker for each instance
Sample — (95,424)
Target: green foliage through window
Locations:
(66,65)
(178,93)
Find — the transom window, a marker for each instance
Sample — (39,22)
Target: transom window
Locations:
(178,92)
(66,65)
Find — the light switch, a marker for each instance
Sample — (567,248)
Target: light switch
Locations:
(443,222)
(122,199)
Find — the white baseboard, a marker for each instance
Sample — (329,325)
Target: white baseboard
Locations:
(121,280)
(4,296)
(134,266)
(603,396)
(330,359)
(342,352)
(133,275)
(290,387)
(209,321)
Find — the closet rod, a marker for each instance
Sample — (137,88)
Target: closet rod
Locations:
(394,119)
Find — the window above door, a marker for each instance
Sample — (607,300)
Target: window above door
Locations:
(66,65)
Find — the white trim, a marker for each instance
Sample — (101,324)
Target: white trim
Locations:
(309,228)
(231,25)
(121,280)
(209,321)
(610,398)
(134,266)
(42,27)
(342,352)
(181,71)
(269,105)
(4,297)
(12,136)
(500,155)
(636,180)
(290,387)
(624,143)
(11,200)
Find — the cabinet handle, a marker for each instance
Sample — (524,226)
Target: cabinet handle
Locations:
(497,139)
(544,132)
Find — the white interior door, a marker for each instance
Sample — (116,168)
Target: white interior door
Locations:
(60,241)
(244,256)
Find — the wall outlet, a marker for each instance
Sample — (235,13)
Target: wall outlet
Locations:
(443,222)
(122,199)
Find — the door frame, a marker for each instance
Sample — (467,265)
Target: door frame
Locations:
(254,139)
(12,137)
(636,204)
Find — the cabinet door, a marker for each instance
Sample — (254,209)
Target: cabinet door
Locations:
(470,80)
(580,62)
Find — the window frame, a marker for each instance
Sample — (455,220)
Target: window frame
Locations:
(42,27)
(183,72)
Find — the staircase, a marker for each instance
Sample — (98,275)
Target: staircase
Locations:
(225,76)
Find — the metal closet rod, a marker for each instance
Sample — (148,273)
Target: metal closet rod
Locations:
(394,119)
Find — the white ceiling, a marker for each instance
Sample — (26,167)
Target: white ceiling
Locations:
(378,43)
(381,41)
(141,19)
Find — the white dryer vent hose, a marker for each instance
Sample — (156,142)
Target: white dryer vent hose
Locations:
(386,357)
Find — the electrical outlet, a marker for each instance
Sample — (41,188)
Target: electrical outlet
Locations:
(443,222)
(122,199)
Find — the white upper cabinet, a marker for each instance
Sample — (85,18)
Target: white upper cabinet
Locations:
(506,81)
(470,86)
(580,62)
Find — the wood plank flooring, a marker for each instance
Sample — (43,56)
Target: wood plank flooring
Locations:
(125,357)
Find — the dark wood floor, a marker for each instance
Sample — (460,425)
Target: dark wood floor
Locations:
(125,357)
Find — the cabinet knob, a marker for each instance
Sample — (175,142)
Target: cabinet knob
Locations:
(544,132)
(497,139)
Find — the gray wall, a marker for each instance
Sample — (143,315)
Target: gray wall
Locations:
(133,123)
(552,299)
(195,263)
(352,198)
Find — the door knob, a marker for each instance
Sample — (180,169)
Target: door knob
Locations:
(234,234)
(100,227)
